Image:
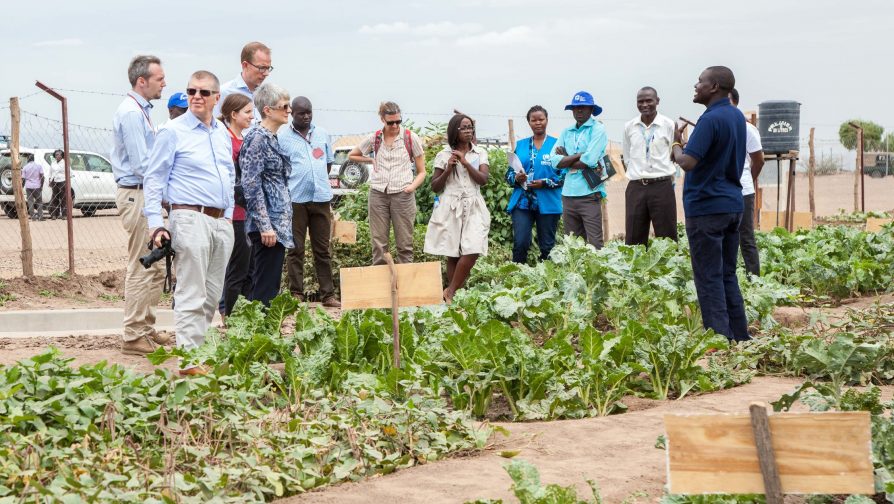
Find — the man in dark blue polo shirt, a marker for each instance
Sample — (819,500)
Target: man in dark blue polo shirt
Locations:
(712,201)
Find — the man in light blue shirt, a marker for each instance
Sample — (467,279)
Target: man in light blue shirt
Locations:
(192,164)
(134,136)
(310,152)
(578,151)
(256,66)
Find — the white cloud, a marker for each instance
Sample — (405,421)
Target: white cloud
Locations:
(517,35)
(396,28)
(67,42)
(429,30)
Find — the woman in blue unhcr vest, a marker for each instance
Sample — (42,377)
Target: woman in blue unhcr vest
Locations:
(578,153)
(537,194)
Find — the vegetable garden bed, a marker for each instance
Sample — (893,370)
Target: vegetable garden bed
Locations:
(568,338)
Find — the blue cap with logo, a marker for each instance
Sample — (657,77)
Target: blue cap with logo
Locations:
(178,100)
(584,99)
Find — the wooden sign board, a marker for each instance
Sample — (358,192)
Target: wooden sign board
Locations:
(874,224)
(344,231)
(816,453)
(803,220)
(418,284)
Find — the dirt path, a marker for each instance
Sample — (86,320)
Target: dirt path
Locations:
(617,452)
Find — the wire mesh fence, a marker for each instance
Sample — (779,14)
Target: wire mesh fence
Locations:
(99,239)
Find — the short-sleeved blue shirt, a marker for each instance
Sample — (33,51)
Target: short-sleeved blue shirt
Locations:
(718,142)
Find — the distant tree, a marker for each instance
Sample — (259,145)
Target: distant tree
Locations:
(872,135)
(887,143)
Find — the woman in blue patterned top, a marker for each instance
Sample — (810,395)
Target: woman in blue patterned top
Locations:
(265,182)
(537,197)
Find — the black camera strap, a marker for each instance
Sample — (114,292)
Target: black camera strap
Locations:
(169,283)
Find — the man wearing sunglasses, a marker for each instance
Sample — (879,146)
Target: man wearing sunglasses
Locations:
(256,66)
(134,136)
(192,164)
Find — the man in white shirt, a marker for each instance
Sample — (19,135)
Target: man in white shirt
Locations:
(650,192)
(754,161)
(256,66)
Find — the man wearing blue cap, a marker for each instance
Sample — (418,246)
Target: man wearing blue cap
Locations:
(578,153)
(177,105)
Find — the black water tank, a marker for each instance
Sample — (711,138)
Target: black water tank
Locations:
(779,124)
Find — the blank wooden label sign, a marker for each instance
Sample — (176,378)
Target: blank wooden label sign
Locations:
(344,231)
(418,284)
(823,453)
(874,224)
(803,220)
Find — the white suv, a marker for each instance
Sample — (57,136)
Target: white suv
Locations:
(92,182)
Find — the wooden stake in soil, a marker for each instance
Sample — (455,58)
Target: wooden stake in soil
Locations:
(21,206)
(811,172)
(858,169)
(760,425)
(395,323)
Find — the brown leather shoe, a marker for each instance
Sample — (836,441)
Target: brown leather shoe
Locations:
(332,302)
(297,295)
(164,339)
(194,371)
(141,346)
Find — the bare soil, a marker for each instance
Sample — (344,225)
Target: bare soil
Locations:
(618,452)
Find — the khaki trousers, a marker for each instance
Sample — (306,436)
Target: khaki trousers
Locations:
(142,287)
(398,209)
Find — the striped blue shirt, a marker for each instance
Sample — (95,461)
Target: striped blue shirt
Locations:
(192,164)
(591,140)
(310,158)
(134,135)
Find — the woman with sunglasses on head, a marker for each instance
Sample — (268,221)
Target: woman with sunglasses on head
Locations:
(236,113)
(537,194)
(398,168)
(460,222)
(265,182)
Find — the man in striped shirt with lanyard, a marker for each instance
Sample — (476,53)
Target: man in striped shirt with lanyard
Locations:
(134,135)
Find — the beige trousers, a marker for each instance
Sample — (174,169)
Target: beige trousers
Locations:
(203,245)
(142,287)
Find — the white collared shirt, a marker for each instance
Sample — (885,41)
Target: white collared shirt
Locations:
(647,149)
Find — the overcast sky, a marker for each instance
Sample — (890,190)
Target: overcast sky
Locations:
(489,58)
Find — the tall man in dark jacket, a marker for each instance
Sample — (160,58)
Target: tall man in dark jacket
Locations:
(712,200)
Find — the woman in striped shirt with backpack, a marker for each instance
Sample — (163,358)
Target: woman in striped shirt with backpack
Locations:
(398,162)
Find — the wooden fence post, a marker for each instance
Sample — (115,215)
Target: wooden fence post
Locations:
(858,169)
(17,186)
(811,172)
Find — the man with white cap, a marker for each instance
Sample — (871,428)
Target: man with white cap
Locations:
(578,152)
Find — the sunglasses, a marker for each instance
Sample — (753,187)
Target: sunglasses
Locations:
(282,108)
(204,92)
(394,123)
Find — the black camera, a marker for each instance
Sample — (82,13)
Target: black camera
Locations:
(158,253)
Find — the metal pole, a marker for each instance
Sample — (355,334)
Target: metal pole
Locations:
(65,149)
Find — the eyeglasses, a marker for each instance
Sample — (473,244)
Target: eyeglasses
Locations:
(467,128)
(262,69)
(204,92)
(394,123)
(282,108)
